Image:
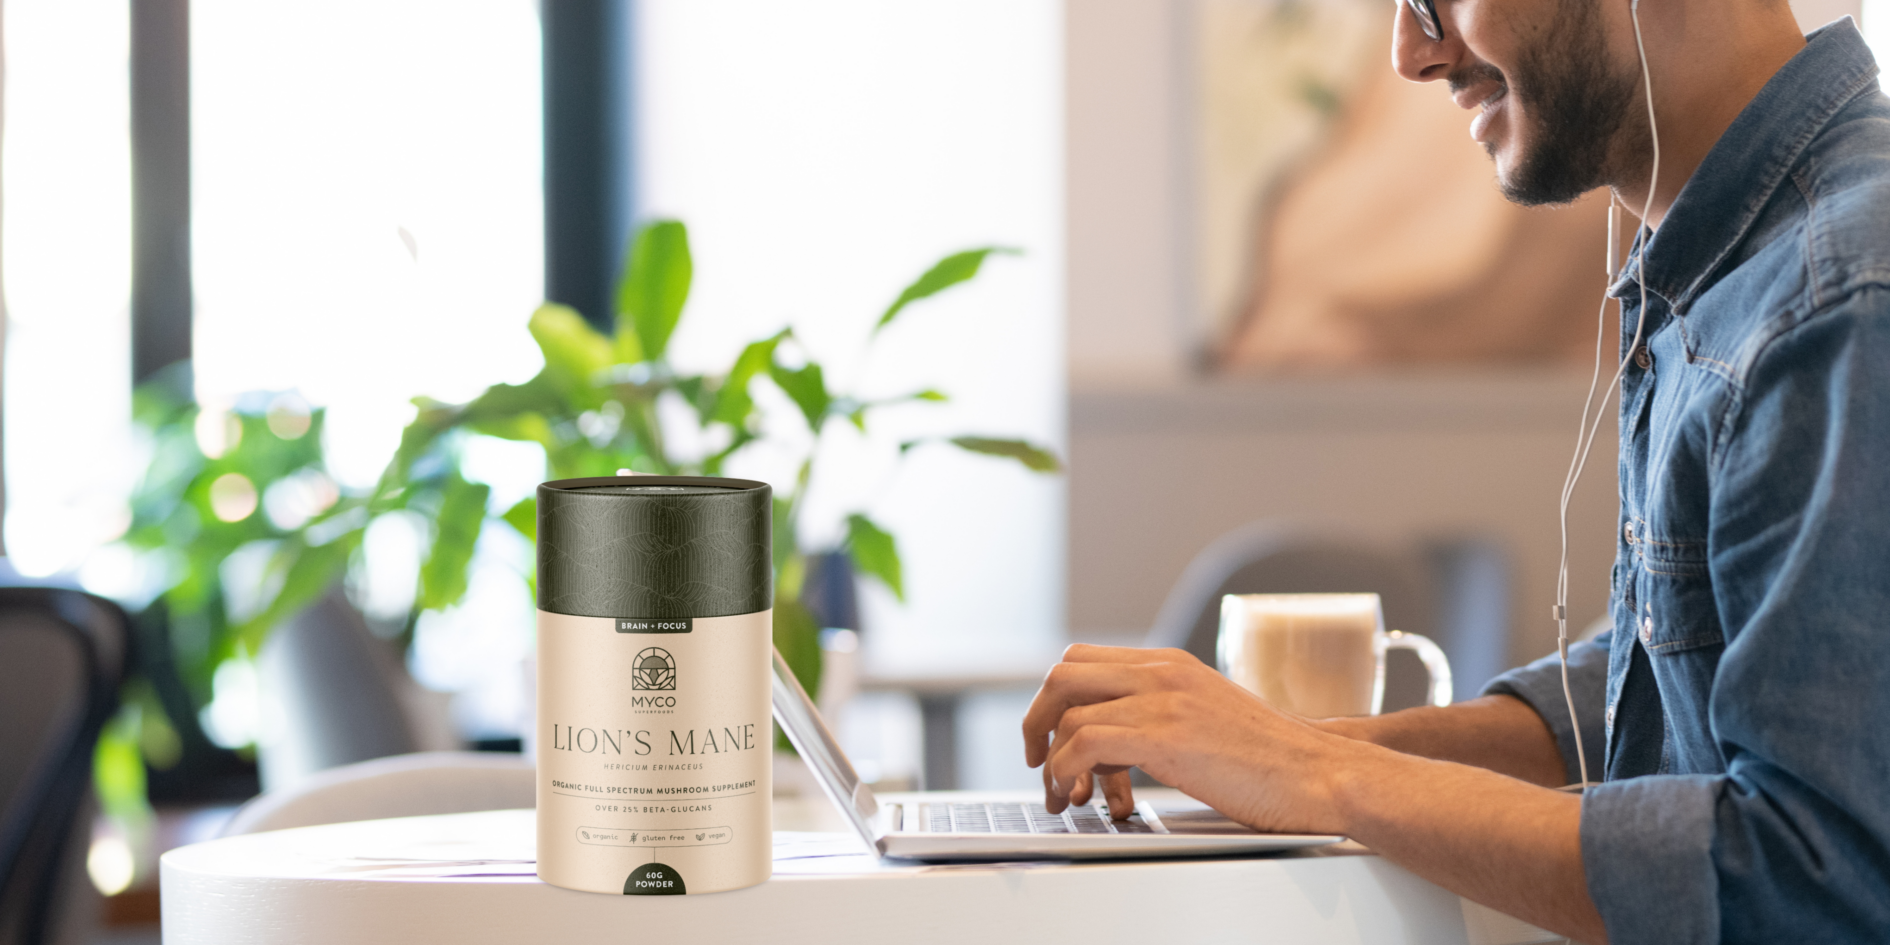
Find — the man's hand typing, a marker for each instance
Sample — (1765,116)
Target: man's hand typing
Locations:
(1104,709)
(1486,835)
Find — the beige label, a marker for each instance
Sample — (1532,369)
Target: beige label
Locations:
(654,749)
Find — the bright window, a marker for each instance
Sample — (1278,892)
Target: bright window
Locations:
(367,204)
(67,266)
(368,215)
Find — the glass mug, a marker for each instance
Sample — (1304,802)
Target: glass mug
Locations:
(1318,655)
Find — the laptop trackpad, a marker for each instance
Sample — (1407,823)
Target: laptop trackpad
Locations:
(1194,817)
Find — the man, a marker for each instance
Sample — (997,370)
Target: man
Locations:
(1742,700)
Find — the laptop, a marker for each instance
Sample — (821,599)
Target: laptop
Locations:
(953,827)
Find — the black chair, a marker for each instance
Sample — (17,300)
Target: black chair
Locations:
(62,659)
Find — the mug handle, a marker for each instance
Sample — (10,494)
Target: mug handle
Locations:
(1432,655)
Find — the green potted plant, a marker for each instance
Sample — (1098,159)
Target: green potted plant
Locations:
(250,478)
(593,408)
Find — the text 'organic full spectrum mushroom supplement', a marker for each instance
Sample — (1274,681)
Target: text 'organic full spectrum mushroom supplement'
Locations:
(655,598)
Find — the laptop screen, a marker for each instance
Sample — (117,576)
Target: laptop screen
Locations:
(796,715)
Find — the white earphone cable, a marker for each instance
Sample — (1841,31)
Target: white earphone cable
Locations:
(1585,435)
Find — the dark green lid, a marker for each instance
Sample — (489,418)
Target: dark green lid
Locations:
(655,546)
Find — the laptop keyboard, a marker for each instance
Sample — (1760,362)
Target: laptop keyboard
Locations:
(1025,818)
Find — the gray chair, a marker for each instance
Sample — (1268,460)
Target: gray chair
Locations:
(1455,592)
(62,660)
(332,694)
(1272,558)
(429,782)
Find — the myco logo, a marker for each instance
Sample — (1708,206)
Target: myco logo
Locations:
(654,669)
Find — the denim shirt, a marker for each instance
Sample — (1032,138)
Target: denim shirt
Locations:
(1742,698)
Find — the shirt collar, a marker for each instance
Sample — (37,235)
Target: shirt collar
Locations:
(1726,194)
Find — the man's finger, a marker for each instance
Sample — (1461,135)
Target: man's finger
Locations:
(1079,684)
(1120,794)
(1059,795)
(1090,653)
(1095,746)
(1131,712)
(1085,786)
(1074,684)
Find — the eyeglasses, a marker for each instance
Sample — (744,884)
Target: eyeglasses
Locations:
(1426,11)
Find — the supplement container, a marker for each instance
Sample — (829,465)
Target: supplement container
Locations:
(655,641)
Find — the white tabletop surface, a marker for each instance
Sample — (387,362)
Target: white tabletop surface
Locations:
(468,879)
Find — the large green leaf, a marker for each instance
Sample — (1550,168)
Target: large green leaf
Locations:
(876,553)
(786,542)
(732,402)
(856,410)
(807,388)
(524,517)
(712,464)
(118,768)
(310,571)
(655,284)
(432,421)
(1035,458)
(455,532)
(697,391)
(539,395)
(529,426)
(797,636)
(948,272)
(574,351)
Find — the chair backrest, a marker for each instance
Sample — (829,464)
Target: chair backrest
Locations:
(428,782)
(1270,558)
(62,659)
(330,694)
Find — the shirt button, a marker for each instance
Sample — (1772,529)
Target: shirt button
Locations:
(1642,359)
(1627,531)
(1647,630)
(1611,716)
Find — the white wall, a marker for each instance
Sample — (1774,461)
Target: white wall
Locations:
(1125,190)
(824,153)
(1157,474)
(1815,13)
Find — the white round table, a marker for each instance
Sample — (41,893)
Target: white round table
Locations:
(468,879)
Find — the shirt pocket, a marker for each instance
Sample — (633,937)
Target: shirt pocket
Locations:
(1677,622)
(1677,611)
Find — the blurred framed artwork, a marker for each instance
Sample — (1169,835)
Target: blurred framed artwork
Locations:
(1342,218)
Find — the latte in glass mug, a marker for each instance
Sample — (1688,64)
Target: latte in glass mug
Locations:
(1318,655)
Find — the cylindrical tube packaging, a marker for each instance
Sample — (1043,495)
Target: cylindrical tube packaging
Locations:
(655,636)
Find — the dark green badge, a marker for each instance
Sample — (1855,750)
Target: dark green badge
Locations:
(654,879)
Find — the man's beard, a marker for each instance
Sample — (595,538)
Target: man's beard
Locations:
(1576,104)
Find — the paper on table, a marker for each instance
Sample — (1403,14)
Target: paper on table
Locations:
(788,845)
(403,868)
(799,845)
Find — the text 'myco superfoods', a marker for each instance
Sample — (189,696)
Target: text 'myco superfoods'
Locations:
(655,597)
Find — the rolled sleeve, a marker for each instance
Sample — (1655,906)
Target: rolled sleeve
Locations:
(1647,845)
(1540,685)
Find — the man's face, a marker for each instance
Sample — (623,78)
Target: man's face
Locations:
(1552,103)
